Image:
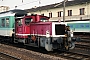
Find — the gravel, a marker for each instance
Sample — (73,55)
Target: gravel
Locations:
(25,54)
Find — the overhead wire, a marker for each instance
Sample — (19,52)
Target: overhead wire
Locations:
(25,3)
(28,3)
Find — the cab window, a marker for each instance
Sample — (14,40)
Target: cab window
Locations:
(28,20)
(43,19)
(19,22)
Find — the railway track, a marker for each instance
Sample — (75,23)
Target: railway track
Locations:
(67,55)
(85,40)
(75,56)
(84,37)
(70,55)
(83,46)
(81,51)
(84,43)
(4,56)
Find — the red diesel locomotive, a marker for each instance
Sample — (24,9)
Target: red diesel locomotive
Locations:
(38,31)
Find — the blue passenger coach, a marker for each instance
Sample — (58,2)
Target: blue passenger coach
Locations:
(7,20)
(80,26)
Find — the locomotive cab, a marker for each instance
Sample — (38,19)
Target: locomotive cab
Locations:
(22,26)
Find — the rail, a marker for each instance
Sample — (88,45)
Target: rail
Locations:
(4,56)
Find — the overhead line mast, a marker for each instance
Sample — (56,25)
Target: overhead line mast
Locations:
(22,1)
(1,0)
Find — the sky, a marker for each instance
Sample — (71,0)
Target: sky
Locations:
(27,4)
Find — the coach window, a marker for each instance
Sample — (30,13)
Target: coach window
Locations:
(3,22)
(28,20)
(7,22)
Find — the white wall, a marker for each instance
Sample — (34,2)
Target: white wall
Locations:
(75,10)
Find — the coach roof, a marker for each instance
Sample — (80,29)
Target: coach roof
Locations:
(16,11)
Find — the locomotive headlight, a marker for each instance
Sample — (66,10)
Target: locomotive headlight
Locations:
(47,33)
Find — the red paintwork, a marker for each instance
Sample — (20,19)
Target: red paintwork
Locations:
(41,28)
(23,29)
(35,27)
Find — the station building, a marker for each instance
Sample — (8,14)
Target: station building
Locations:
(74,10)
(4,8)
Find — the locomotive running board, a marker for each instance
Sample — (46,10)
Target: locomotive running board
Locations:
(31,44)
